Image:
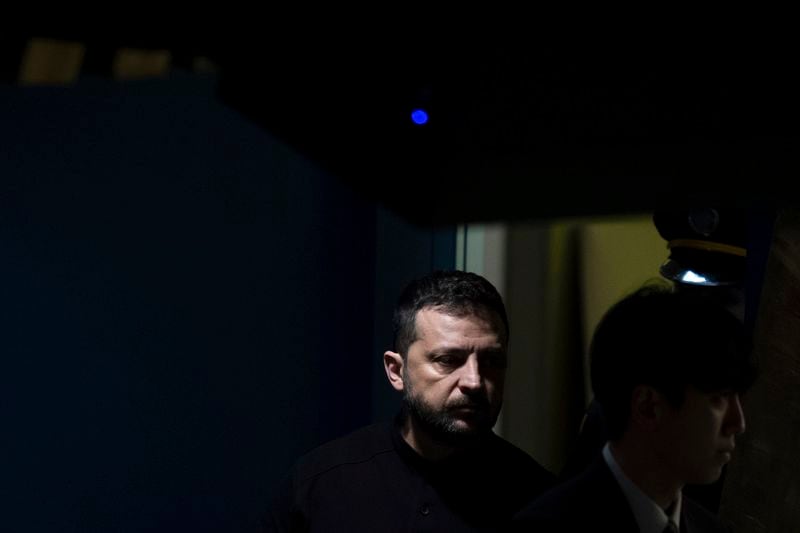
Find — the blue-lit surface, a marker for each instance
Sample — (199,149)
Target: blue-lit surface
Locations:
(419,116)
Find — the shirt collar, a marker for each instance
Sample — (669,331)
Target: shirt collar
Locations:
(650,517)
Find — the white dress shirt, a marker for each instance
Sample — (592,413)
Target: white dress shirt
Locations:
(649,515)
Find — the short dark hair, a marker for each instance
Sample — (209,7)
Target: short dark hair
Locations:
(669,340)
(452,291)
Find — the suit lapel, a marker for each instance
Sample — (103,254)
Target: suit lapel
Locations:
(611,501)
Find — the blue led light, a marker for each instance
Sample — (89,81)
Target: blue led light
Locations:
(419,116)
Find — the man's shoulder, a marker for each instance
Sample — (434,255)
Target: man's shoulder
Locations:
(517,460)
(329,488)
(565,495)
(360,446)
(571,502)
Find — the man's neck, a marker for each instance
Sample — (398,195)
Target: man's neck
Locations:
(643,468)
(422,443)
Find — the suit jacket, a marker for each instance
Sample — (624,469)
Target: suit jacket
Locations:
(594,501)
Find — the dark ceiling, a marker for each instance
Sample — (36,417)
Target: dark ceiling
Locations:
(519,128)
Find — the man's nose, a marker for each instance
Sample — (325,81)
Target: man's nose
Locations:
(734,422)
(470,378)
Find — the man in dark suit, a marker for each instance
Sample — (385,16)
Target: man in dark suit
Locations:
(667,370)
(708,257)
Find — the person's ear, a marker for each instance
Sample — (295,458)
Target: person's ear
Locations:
(647,407)
(393,365)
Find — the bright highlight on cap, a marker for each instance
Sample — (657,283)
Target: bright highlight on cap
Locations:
(691,277)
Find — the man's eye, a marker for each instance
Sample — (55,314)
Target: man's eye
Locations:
(496,361)
(447,360)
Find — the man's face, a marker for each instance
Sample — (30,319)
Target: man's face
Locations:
(454,374)
(700,436)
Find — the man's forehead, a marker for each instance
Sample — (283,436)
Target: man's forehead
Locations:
(437,316)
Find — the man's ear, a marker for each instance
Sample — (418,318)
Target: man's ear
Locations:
(393,364)
(647,407)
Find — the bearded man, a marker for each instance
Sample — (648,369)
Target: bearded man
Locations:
(439,466)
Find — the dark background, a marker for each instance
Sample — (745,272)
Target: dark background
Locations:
(525,123)
(187,304)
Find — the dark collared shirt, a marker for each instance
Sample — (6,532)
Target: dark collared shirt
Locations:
(372,480)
